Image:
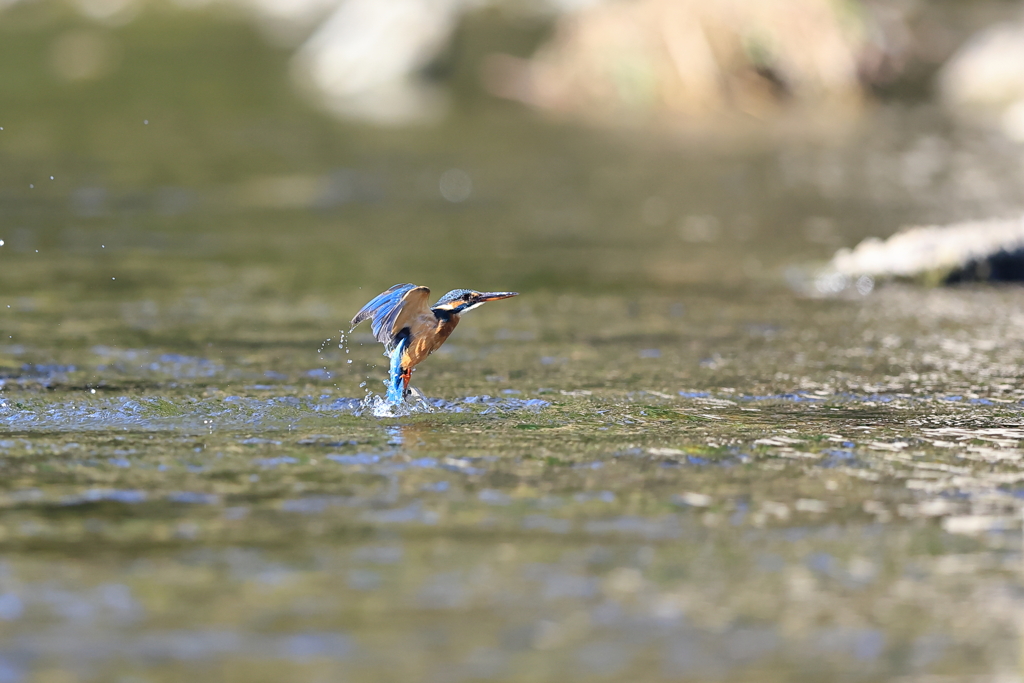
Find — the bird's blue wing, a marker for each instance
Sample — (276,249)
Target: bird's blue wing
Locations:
(383,310)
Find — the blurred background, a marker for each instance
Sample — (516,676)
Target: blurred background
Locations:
(679,454)
(292,146)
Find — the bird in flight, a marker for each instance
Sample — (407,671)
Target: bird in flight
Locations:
(411,330)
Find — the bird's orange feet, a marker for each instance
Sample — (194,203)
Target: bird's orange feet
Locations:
(406,376)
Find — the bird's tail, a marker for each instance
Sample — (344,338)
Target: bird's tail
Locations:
(395,382)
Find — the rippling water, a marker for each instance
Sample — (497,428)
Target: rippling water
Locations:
(657,463)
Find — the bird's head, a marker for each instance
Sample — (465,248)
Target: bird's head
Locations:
(462,300)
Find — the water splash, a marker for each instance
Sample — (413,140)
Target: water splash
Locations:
(343,345)
(380,406)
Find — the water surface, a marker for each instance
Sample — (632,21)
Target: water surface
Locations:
(658,463)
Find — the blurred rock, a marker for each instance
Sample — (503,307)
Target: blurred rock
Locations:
(692,58)
(989,250)
(986,77)
(365,61)
(369,59)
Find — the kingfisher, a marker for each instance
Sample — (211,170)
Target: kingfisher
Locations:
(411,330)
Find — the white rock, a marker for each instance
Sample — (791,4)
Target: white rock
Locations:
(363,61)
(918,250)
(988,70)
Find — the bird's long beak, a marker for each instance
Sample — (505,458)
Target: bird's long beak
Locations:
(494,296)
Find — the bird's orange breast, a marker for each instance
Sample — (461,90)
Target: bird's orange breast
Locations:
(426,334)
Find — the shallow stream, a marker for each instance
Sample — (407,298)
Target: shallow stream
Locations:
(660,462)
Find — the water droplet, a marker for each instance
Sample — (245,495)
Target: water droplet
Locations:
(865,283)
